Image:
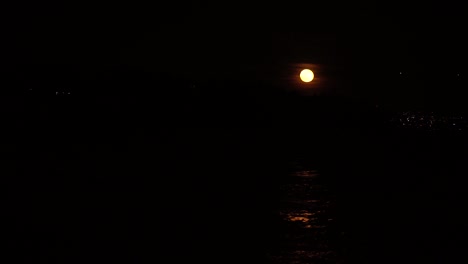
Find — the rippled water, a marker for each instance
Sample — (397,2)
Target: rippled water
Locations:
(307,215)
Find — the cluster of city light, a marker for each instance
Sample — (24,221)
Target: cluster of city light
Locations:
(62,93)
(430,121)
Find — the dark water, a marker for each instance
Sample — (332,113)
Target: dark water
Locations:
(85,188)
(307,211)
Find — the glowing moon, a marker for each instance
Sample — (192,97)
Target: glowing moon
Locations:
(306,75)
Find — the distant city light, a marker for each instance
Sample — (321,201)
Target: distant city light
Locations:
(429,121)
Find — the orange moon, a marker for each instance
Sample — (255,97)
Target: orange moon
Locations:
(306,75)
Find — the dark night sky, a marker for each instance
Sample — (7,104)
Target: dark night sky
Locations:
(356,45)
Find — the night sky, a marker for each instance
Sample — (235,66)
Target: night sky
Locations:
(143,131)
(356,49)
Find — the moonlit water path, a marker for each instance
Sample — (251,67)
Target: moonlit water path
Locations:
(308,218)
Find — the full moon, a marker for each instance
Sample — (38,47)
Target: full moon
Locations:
(306,75)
